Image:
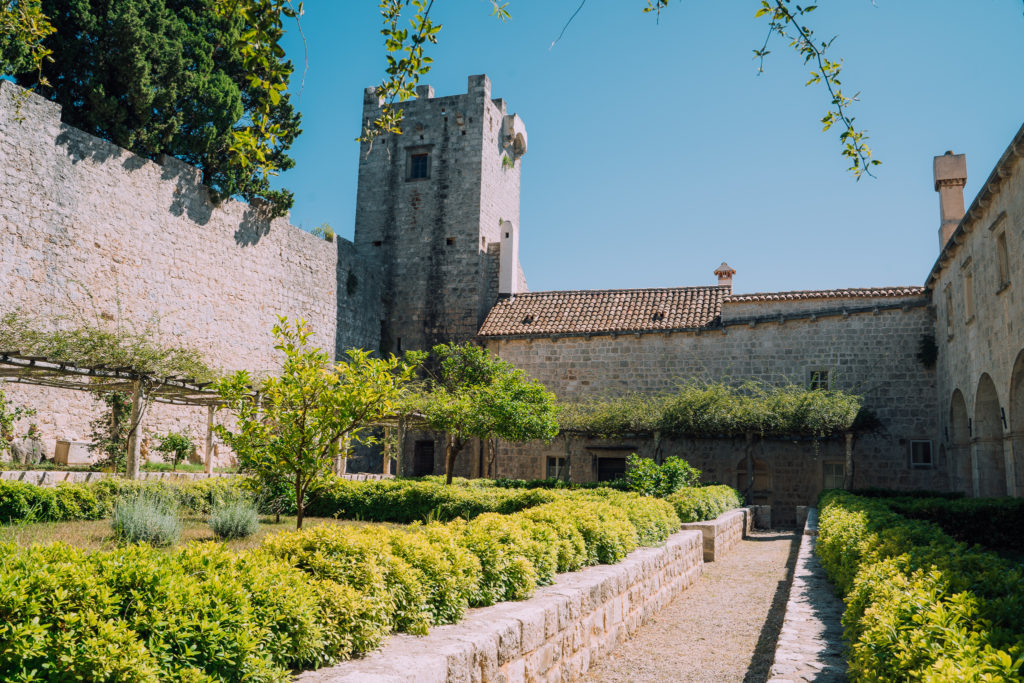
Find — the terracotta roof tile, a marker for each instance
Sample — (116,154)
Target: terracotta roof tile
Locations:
(605,310)
(857,293)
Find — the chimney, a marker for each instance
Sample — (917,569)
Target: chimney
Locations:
(725,273)
(508,269)
(950,172)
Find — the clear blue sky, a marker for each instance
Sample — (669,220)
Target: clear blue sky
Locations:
(656,151)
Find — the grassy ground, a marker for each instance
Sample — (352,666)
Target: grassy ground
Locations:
(98,535)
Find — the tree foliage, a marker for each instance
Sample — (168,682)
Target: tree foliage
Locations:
(292,426)
(718,410)
(474,394)
(10,415)
(175,447)
(23,32)
(200,80)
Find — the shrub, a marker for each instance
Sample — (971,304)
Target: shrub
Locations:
(654,519)
(20,501)
(145,519)
(920,605)
(992,522)
(235,519)
(505,550)
(706,502)
(648,478)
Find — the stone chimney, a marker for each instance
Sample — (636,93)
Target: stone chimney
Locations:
(508,266)
(725,273)
(950,172)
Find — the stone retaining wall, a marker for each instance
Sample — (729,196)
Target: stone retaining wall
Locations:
(54,477)
(555,636)
(724,533)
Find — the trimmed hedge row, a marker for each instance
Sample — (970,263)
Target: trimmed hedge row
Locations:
(706,502)
(67,502)
(920,606)
(992,522)
(303,599)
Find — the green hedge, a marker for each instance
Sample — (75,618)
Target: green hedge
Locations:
(992,522)
(302,599)
(920,606)
(706,502)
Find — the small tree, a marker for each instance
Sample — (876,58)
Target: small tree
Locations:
(293,427)
(174,447)
(9,416)
(477,395)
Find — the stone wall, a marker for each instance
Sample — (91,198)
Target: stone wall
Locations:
(92,233)
(980,335)
(723,534)
(872,353)
(555,636)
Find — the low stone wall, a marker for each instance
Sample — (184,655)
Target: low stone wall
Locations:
(555,636)
(54,477)
(810,646)
(724,533)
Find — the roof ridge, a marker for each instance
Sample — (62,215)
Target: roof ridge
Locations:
(622,289)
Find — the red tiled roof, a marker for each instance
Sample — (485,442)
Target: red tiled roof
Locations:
(857,293)
(605,310)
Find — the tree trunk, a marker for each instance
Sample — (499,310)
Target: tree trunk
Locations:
(657,449)
(749,460)
(451,451)
(401,447)
(299,502)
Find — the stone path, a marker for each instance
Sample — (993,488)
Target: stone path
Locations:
(723,629)
(811,642)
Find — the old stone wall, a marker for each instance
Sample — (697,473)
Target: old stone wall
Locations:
(978,294)
(433,237)
(557,635)
(871,353)
(92,233)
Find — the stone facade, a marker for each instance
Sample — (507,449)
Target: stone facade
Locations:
(555,636)
(977,287)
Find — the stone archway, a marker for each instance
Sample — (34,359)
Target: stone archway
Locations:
(962,479)
(1016,423)
(987,442)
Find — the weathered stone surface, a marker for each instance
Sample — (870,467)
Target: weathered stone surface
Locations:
(555,636)
(724,533)
(810,645)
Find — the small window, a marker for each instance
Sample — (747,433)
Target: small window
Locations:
(419,165)
(450,241)
(610,469)
(377,243)
(833,475)
(969,295)
(819,380)
(1003,258)
(921,454)
(949,310)
(557,469)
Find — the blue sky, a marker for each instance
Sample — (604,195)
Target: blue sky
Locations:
(656,151)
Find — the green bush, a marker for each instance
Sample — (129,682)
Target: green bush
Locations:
(654,519)
(20,501)
(235,519)
(145,519)
(921,606)
(505,551)
(992,522)
(648,478)
(706,502)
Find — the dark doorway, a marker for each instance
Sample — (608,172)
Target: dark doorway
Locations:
(423,459)
(609,469)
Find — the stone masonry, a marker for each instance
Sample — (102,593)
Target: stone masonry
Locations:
(555,636)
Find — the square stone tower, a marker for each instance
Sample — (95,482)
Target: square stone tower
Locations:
(432,207)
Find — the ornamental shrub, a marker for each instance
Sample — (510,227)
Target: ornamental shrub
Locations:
(992,522)
(654,519)
(146,519)
(648,478)
(235,519)
(703,503)
(20,501)
(502,546)
(921,606)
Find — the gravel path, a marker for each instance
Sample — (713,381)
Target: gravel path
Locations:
(721,630)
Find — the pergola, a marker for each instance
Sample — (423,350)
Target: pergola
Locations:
(185,391)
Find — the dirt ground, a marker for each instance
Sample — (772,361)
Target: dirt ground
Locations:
(723,629)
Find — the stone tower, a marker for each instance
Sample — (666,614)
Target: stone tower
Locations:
(433,207)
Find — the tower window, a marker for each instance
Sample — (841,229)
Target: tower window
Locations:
(819,380)
(1003,259)
(419,166)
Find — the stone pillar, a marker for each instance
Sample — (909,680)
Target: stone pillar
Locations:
(208,467)
(1010,467)
(848,468)
(135,432)
(976,447)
